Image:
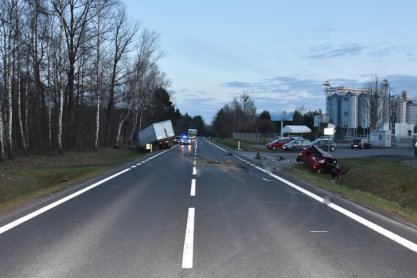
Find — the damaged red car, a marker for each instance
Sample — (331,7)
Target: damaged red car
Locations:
(319,161)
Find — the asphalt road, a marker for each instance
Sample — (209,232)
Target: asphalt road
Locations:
(198,211)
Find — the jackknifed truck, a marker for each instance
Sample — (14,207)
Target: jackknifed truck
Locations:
(156,136)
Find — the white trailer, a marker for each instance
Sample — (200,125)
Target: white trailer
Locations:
(159,135)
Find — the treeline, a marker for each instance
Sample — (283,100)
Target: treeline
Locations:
(76,74)
(240,116)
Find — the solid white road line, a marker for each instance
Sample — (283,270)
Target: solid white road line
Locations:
(187,255)
(382,231)
(29,216)
(192,192)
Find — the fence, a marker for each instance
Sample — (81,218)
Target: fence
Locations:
(258,138)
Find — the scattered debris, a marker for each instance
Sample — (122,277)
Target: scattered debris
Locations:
(258,156)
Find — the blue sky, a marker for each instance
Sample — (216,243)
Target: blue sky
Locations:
(279,52)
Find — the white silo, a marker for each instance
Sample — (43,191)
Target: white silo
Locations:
(411,113)
(348,110)
(401,109)
(363,110)
(333,108)
(385,109)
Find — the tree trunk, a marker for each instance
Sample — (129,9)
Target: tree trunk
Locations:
(119,128)
(98,77)
(9,106)
(60,84)
(1,134)
(134,124)
(19,106)
(60,115)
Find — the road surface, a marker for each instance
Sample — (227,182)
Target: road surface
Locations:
(199,211)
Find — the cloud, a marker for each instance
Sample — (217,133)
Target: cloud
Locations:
(283,93)
(326,51)
(280,93)
(400,82)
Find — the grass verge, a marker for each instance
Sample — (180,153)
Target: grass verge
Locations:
(384,184)
(25,179)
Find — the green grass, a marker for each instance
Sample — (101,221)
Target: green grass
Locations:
(381,183)
(27,178)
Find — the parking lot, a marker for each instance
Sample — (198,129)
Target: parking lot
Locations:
(343,150)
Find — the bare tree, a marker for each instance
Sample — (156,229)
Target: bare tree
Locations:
(244,114)
(130,100)
(123,38)
(9,30)
(66,76)
(378,100)
(1,132)
(18,39)
(75,17)
(145,88)
(100,29)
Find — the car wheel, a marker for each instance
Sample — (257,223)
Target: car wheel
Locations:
(273,148)
(332,149)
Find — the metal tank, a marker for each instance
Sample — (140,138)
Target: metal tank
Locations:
(385,109)
(363,110)
(332,107)
(349,111)
(401,109)
(411,113)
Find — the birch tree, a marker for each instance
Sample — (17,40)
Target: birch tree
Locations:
(123,38)
(9,13)
(378,96)
(75,17)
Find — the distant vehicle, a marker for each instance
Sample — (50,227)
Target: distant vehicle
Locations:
(326,137)
(185,140)
(192,133)
(158,135)
(324,144)
(296,144)
(277,143)
(177,139)
(360,143)
(319,161)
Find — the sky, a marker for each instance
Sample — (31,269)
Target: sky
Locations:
(279,52)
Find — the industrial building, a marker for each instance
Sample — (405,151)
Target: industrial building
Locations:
(357,111)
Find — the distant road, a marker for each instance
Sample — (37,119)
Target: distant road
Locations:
(198,211)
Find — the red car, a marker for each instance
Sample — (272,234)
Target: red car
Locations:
(278,143)
(319,161)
